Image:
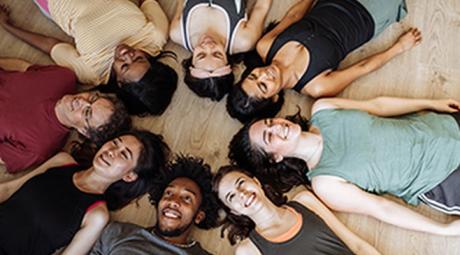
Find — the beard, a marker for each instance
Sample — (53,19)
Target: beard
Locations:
(172,232)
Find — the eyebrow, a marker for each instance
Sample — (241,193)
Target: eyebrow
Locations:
(191,191)
(129,151)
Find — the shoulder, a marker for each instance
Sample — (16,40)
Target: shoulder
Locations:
(246,247)
(324,104)
(97,217)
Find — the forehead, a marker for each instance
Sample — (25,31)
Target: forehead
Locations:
(256,131)
(133,144)
(228,182)
(184,184)
(250,87)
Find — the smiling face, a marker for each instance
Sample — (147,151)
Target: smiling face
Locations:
(179,207)
(263,82)
(117,158)
(209,55)
(130,64)
(278,136)
(241,193)
(84,111)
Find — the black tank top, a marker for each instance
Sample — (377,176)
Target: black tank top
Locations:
(235,11)
(314,237)
(44,214)
(331,30)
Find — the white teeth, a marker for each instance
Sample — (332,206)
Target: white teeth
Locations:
(250,200)
(171,213)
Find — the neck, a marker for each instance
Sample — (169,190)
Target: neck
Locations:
(88,181)
(268,216)
(288,79)
(182,239)
(309,148)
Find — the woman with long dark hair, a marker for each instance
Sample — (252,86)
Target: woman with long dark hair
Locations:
(353,151)
(61,203)
(263,222)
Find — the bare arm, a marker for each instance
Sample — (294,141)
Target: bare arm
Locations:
(175,27)
(354,242)
(252,30)
(39,41)
(330,83)
(294,14)
(14,64)
(246,247)
(10,187)
(93,223)
(346,197)
(388,106)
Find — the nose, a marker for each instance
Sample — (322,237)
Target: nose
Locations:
(173,202)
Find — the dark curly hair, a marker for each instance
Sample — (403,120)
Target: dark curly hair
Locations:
(283,175)
(119,121)
(152,93)
(239,226)
(214,88)
(152,161)
(199,172)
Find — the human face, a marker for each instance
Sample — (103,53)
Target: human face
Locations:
(130,64)
(241,193)
(179,207)
(263,82)
(117,158)
(84,111)
(278,136)
(209,55)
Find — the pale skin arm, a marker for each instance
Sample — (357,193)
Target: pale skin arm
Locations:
(342,196)
(175,30)
(294,14)
(330,83)
(251,31)
(246,247)
(10,187)
(13,64)
(39,41)
(91,228)
(388,106)
(354,242)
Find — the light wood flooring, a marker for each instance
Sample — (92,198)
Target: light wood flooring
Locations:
(201,127)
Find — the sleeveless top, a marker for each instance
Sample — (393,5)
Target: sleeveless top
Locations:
(405,156)
(331,30)
(314,237)
(234,11)
(44,214)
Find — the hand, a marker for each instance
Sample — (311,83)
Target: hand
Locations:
(446,105)
(4,14)
(410,39)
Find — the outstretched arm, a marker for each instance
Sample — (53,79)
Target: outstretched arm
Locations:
(251,30)
(14,64)
(346,197)
(294,14)
(10,187)
(91,228)
(175,27)
(39,41)
(354,242)
(388,106)
(330,83)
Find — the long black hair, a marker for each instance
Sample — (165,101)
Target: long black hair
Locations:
(239,226)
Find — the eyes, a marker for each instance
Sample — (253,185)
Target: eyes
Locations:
(267,135)
(185,197)
(88,110)
(125,66)
(238,184)
(125,153)
(262,86)
(216,54)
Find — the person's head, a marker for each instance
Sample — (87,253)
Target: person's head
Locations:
(266,147)
(131,161)
(94,115)
(242,196)
(146,85)
(183,196)
(208,72)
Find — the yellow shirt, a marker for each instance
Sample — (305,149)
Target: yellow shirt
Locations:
(98,27)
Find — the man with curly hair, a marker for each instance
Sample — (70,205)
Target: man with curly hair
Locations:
(39,108)
(184,198)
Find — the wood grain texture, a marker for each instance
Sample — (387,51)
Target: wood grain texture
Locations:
(201,127)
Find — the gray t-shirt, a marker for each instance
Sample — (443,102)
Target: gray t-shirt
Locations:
(124,238)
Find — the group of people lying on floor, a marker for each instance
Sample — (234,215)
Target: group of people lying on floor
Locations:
(347,155)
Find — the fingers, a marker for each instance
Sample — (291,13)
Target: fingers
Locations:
(417,35)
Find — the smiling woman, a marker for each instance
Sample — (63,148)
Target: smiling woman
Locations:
(61,203)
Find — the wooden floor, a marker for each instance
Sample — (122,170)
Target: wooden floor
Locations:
(203,128)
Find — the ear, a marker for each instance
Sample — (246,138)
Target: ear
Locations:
(275,98)
(130,177)
(277,158)
(199,217)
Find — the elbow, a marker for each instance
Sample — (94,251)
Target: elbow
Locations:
(317,90)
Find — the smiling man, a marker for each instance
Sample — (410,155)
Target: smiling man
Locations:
(38,109)
(184,199)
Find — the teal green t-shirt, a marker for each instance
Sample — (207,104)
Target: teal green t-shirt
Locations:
(405,156)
